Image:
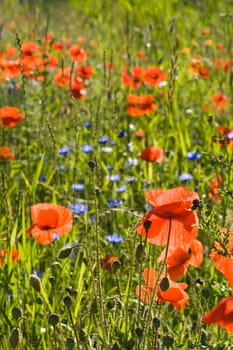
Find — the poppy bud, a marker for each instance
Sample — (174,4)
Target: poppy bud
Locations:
(147,224)
(210,119)
(139,332)
(91,164)
(70,343)
(52,280)
(39,301)
(156,323)
(53,319)
(15,337)
(168,340)
(140,252)
(16,312)
(205,292)
(64,253)
(35,282)
(116,265)
(164,284)
(67,300)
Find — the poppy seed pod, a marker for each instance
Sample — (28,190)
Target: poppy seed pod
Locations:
(35,282)
(53,319)
(140,252)
(67,300)
(168,340)
(16,312)
(64,253)
(164,284)
(70,343)
(156,323)
(147,224)
(15,337)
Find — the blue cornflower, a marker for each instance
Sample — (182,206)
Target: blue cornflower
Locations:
(113,143)
(64,151)
(78,187)
(113,177)
(121,189)
(87,149)
(193,155)
(37,272)
(88,125)
(115,202)
(185,177)
(122,133)
(131,179)
(43,178)
(103,140)
(91,219)
(78,208)
(114,238)
(230,135)
(110,167)
(132,162)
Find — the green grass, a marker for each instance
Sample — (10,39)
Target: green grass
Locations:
(80,305)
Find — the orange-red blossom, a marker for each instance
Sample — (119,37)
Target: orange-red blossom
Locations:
(49,221)
(170,218)
(175,293)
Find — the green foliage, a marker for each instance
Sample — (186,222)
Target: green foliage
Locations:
(67,295)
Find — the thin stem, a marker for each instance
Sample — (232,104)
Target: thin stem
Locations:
(145,330)
(74,328)
(98,281)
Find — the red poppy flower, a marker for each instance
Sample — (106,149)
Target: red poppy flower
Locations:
(175,293)
(5,153)
(11,116)
(152,154)
(4,253)
(140,105)
(78,89)
(9,69)
(106,262)
(77,53)
(84,72)
(154,76)
(62,78)
(223,64)
(224,137)
(49,221)
(140,134)
(203,72)
(170,211)
(215,183)
(222,314)
(220,100)
(141,55)
(224,245)
(58,46)
(10,51)
(178,260)
(30,48)
(134,79)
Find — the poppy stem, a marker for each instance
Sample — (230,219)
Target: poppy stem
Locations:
(97,277)
(167,246)
(148,316)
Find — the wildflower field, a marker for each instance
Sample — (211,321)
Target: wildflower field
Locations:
(116,174)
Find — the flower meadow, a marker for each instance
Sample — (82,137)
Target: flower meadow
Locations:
(116,173)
